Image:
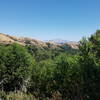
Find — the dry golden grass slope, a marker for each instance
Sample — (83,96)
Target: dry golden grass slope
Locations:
(7,39)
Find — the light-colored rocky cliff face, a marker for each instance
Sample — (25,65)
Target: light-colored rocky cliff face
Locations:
(6,39)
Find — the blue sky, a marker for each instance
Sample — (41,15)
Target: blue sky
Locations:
(50,19)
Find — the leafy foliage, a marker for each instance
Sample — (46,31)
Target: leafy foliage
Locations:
(15,64)
(90,63)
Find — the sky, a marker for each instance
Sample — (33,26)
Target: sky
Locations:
(50,19)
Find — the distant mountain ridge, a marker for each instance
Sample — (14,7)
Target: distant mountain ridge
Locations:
(7,39)
(59,41)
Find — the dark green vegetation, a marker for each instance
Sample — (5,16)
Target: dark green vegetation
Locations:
(54,74)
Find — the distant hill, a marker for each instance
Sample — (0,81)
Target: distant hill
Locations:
(7,39)
(58,41)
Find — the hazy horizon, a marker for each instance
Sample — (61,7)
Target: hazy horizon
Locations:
(50,19)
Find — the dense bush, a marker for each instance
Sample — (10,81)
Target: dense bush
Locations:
(15,64)
(68,77)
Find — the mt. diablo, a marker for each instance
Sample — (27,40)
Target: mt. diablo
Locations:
(7,39)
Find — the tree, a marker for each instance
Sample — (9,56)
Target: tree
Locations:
(90,65)
(68,77)
(42,78)
(15,64)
